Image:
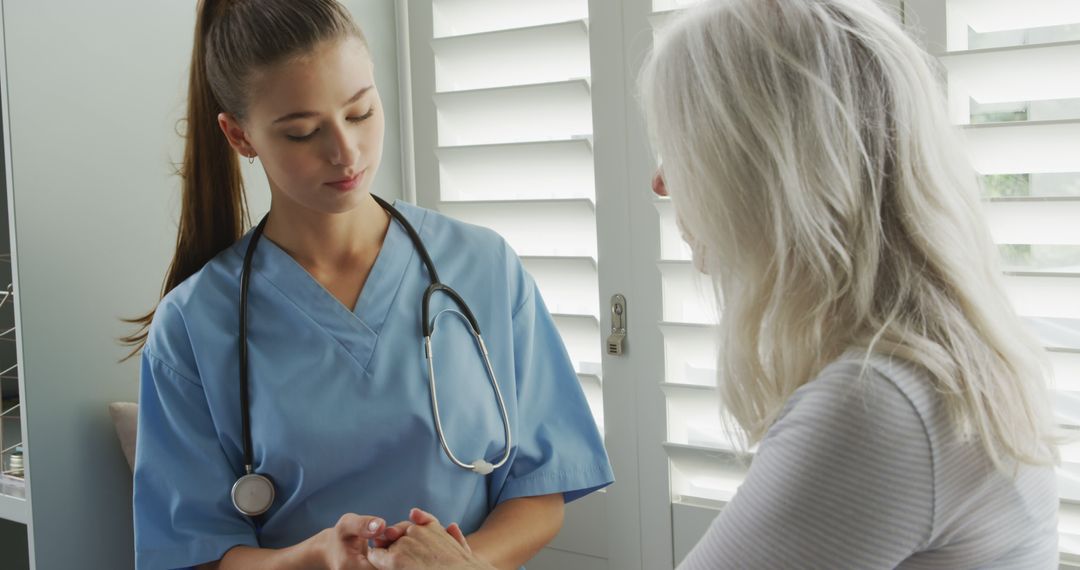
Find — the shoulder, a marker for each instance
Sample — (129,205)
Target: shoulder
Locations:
(442,230)
(857,422)
(844,477)
(868,389)
(868,410)
(207,299)
(481,251)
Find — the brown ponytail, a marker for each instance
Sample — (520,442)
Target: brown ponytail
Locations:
(232,39)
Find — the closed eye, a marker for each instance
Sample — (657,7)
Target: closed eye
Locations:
(354,120)
(363,117)
(302,138)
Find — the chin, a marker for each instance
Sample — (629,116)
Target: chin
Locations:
(354,201)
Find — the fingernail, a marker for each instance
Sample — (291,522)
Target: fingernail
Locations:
(374,525)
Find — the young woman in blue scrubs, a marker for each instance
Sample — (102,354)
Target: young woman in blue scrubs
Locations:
(340,407)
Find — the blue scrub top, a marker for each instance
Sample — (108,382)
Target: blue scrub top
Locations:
(340,408)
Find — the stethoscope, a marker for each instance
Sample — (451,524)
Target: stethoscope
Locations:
(253,493)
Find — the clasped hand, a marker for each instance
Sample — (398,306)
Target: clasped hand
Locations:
(365,543)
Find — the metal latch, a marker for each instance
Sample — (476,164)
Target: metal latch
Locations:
(618,325)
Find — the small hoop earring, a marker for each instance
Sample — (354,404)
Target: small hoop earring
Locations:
(251,159)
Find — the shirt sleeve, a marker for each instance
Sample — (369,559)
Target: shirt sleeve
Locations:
(844,479)
(558,448)
(183,479)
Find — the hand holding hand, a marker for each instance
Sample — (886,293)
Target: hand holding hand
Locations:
(424,543)
(345,546)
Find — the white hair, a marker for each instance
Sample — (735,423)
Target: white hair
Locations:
(807,151)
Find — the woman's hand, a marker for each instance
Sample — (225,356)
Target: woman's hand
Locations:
(345,546)
(425,544)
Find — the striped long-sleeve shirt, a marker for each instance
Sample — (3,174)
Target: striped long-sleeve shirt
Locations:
(867,471)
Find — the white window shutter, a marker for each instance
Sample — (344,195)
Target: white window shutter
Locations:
(513,116)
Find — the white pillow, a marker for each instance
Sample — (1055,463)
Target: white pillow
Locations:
(125,417)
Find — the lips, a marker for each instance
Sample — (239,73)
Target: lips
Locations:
(346,184)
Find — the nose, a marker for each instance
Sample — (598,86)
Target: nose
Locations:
(344,148)
(658,186)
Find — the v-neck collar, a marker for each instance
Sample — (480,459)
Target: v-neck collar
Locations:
(357,330)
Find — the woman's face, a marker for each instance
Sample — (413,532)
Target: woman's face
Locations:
(316,123)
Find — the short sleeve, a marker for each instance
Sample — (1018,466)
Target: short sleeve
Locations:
(844,479)
(559,448)
(183,511)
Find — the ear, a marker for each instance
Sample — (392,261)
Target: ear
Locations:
(235,134)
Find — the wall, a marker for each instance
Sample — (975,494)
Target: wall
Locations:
(96,89)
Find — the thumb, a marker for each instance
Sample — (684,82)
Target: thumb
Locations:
(351,525)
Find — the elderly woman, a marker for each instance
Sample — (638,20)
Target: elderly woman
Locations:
(901,411)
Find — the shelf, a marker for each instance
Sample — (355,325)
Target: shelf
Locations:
(12,508)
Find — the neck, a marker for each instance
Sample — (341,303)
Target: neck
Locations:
(317,240)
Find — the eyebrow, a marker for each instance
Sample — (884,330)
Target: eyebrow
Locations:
(306,114)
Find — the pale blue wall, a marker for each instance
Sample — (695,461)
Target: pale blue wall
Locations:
(96,89)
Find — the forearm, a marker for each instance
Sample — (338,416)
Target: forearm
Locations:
(299,557)
(516,530)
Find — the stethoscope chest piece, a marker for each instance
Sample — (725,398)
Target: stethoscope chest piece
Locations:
(253,494)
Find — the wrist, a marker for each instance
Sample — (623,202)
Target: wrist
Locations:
(311,554)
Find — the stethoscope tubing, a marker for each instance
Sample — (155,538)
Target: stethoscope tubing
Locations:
(480,466)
